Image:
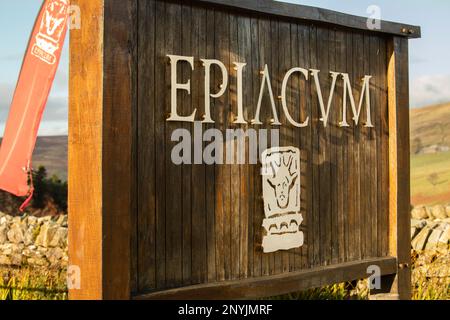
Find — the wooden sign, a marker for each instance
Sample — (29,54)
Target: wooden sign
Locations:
(162,90)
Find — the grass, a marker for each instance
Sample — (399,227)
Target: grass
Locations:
(430,281)
(430,179)
(32,284)
(341,291)
(431,275)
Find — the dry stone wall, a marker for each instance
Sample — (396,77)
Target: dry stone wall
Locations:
(430,227)
(33,241)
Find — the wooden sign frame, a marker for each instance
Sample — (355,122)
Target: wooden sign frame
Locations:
(103,153)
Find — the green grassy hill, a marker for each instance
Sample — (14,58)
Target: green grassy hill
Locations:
(430,173)
(430,178)
(51,152)
(430,126)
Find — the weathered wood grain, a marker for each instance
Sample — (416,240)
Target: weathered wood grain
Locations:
(85,152)
(103,101)
(318,15)
(193,230)
(276,284)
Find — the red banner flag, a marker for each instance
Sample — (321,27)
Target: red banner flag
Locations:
(32,91)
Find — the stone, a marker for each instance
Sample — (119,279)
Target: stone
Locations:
(59,239)
(46,234)
(46,219)
(27,253)
(433,239)
(30,235)
(5,260)
(17,259)
(418,223)
(6,249)
(414,232)
(420,240)
(16,234)
(38,261)
(54,255)
(32,221)
(445,237)
(62,220)
(3,234)
(16,220)
(419,213)
(447,210)
(439,212)
(430,213)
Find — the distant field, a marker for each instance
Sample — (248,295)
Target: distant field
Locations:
(51,152)
(430,179)
(430,126)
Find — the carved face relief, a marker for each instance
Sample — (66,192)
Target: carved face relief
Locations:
(281,194)
(281,181)
(283,178)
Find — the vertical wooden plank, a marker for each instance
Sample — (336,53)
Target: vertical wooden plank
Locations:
(213,211)
(254,229)
(186,170)
(373,139)
(104,209)
(324,196)
(198,183)
(266,261)
(304,136)
(332,137)
(252,97)
(146,156)
(358,63)
(222,179)
(366,165)
(173,173)
(294,107)
(315,123)
(380,71)
(286,133)
(341,143)
(223,54)
(399,164)
(384,130)
(235,169)
(160,146)
(351,166)
(274,67)
(246,187)
(119,109)
(85,150)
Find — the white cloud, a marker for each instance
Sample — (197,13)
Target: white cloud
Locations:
(54,121)
(429,90)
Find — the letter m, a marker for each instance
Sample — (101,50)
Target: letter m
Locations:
(365,95)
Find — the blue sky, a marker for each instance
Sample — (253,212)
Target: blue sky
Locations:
(429,56)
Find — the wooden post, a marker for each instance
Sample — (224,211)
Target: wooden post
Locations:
(101,129)
(399,173)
